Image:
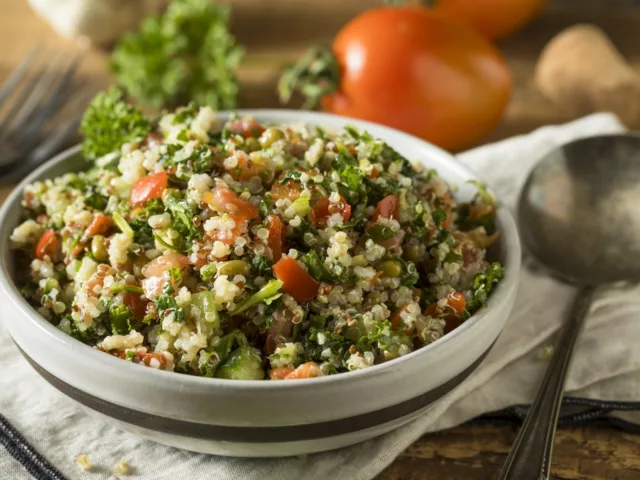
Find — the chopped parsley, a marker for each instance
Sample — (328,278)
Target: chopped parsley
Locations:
(109,122)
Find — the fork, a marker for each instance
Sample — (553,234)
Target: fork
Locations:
(27,103)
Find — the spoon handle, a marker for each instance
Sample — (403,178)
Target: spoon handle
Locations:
(530,456)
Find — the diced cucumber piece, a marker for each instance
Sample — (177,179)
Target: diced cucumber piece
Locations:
(205,303)
(244,363)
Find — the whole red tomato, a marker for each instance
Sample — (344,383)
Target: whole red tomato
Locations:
(494,19)
(422,72)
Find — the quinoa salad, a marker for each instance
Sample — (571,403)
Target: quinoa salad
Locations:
(237,250)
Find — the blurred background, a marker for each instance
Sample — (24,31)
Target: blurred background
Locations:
(275,33)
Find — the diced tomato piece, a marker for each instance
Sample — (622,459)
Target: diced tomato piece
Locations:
(159,265)
(223,200)
(247,167)
(229,236)
(290,189)
(451,322)
(388,207)
(149,187)
(47,245)
(146,358)
(306,370)
(137,305)
(456,305)
(456,302)
(245,128)
(143,357)
(280,330)
(396,319)
(432,310)
(98,226)
(275,239)
(77,249)
(155,272)
(201,260)
(280,373)
(153,286)
(296,280)
(324,208)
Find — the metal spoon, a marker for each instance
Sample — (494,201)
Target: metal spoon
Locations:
(579,216)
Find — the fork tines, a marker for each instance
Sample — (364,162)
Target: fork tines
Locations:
(35,91)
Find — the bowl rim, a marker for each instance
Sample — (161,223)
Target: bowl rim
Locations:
(508,232)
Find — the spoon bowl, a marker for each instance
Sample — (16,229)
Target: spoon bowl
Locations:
(579,210)
(579,216)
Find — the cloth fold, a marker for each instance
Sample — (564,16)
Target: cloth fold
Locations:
(606,368)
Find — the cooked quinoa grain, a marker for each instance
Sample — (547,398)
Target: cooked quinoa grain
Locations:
(245,251)
(82,461)
(122,467)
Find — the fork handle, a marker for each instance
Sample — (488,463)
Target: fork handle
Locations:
(530,456)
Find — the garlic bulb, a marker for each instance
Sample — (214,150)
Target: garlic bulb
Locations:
(100,21)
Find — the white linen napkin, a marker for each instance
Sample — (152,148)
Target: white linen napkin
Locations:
(606,366)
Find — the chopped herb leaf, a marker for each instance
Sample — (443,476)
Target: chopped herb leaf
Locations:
(166,304)
(483,194)
(379,233)
(482,287)
(439,216)
(291,175)
(120,317)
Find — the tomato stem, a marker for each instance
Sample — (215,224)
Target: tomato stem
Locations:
(315,75)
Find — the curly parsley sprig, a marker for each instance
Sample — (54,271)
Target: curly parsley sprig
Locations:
(185,54)
(109,122)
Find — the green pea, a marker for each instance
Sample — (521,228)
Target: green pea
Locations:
(234,267)
(98,248)
(270,136)
(412,253)
(391,268)
(360,261)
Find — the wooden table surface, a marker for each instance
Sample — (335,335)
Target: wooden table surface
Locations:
(275,33)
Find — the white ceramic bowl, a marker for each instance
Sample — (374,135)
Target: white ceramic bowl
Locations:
(262,418)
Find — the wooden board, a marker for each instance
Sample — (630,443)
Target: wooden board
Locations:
(275,32)
(471,452)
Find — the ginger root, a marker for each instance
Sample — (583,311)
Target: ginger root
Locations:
(583,72)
